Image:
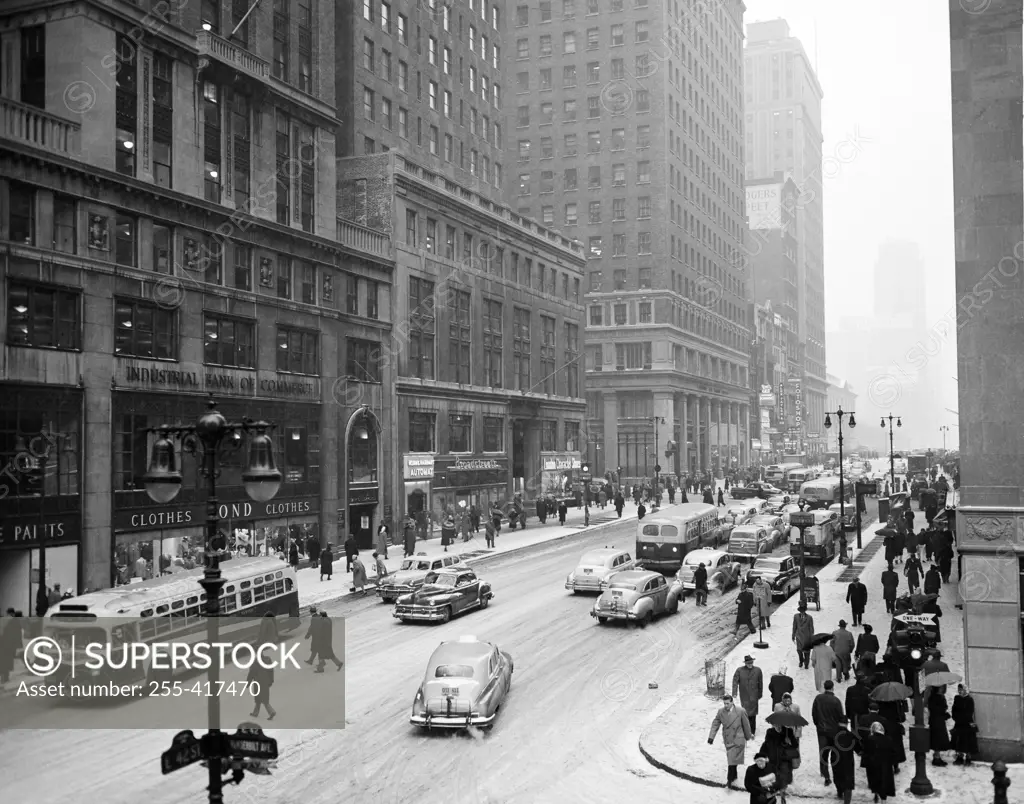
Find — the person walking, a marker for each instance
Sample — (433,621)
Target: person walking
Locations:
(709,498)
(938,714)
(748,681)
(735,733)
(700,585)
(857,597)
(313,551)
(787,705)
(261,678)
(293,554)
(379,569)
(946,543)
(358,577)
(890,587)
(448,532)
(641,511)
(858,699)
(912,569)
(778,685)
(803,633)
(761,781)
(866,643)
(842,645)
(763,601)
(780,749)
(878,761)
(744,615)
(932,580)
(823,659)
(326,563)
(383,538)
(351,551)
(474,518)
(563,512)
(825,713)
(489,533)
(721,499)
(325,647)
(409,536)
(901,543)
(844,771)
(542,510)
(965,730)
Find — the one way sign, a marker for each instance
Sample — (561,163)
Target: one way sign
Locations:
(923,619)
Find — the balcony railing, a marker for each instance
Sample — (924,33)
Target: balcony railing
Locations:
(32,126)
(362,239)
(215,47)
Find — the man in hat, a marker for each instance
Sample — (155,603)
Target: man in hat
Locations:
(857,597)
(735,733)
(749,682)
(842,645)
(760,781)
(841,752)
(700,585)
(825,713)
(803,633)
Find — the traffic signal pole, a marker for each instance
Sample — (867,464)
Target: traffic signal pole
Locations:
(920,785)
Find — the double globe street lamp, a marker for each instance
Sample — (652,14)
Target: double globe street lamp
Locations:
(892,457)
(839,414)
(207,440)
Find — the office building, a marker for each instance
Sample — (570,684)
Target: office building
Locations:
(626,135)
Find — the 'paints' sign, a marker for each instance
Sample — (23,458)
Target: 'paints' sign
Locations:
(29,531)
(155,518)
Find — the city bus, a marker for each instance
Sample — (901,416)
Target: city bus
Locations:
(778,474)
(824,491)
(173,607)
(663,540)
(797,477)
(819,542)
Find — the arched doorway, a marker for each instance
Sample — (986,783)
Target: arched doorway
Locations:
(363,469)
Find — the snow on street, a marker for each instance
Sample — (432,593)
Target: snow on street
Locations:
(568,731)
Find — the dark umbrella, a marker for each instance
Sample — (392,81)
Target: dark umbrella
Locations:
(820,639)
(941,679)
(886,531)
(788,719)
(891,691)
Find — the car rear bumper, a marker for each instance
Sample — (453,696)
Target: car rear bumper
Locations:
(432,614)
(454,722)
(586,586)
(613,614)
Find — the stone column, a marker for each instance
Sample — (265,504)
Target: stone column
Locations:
(664,407)
(985,61)
(698,422)
(611,431)
(718,431)
(684,452)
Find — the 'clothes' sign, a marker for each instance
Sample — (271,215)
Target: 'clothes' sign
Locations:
(189,516)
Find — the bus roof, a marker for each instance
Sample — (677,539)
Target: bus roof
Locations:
(786,466)
(690,511)
(125,599)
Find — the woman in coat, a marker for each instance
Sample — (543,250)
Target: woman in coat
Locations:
(409,536)
(823,659)
(938,714)
(965,731)
(866,643)
(735,732)
(326,563)
(447,532)
(803,633)
(382,540)
(763,601)
(744,609)
(358,576)
(779,747)
(879,761)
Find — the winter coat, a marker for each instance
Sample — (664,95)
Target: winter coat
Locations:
(890,584)
(912,569)
(803,629)
(857,597)
(932,581)
(351,548)
(752,782)
(641,511)
(382,540)
(866,643)
(762,598)
(823,658)
(965,732)
(842,645)
(447,533)
(749,683)
(778,686)
(879,758)
(858,701)
(825,713)
(795,709)
(735,728)
(938,714)
(313,551)
(744,604)
(844,771)
(358,573)
(776,746)
(700,578)
(293,555)
(410,536)
(326,562)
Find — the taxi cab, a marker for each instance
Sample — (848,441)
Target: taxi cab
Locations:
(637,596)
(596,566)
(744,512)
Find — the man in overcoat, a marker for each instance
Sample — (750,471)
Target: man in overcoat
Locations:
(857,597)
(748,681)
(735,732)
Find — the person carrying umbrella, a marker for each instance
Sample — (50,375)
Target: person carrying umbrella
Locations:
(823,659)
(965,730)
(781,745)
(889,699)
(735,733)
(803,635)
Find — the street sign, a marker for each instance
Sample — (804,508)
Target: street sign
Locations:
(250,741)
(801,519)
(185,750)
(586,477)
(657,467)
(926,619)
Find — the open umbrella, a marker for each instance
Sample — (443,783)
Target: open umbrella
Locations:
(820,639)
(891,691)
(941,679)
(788,719)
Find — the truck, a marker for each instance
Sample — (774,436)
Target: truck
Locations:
(917,465)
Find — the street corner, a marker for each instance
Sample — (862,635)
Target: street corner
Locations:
(677,741)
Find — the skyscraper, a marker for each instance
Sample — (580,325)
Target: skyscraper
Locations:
(628,137)
(783,134)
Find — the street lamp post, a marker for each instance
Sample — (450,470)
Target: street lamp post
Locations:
(657,466)
(204,440)
(892,457)
(944,429)
(839,414)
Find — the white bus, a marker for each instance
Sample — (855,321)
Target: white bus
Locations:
(778,474)
(797,477)
(173,607)
(824,491)
(662,541)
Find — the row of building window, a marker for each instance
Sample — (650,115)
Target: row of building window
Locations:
(591,8)
(570,178)
(423,434)
(595,105)
(570,144)
(591,40)
(439,12)
(596,247)
(571,212)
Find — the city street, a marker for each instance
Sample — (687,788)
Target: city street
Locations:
(578,701)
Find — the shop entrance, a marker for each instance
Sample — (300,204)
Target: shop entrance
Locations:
(415,502)
(361,524)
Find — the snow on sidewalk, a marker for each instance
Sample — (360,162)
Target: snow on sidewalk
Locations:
(677,741)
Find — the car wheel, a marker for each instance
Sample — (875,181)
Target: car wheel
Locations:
(404,621)
(446,614)
(484,601)
(602,620)
(647,620)
(673,606)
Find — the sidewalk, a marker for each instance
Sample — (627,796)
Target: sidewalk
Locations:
(677,741)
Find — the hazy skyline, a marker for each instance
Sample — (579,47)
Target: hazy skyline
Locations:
(884,72)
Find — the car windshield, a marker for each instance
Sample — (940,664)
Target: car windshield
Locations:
(767,564)
(442,579)
(453,671)
(593,560)
(693,559)
(624,586)
(413,564)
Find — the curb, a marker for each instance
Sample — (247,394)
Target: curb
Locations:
(662,766)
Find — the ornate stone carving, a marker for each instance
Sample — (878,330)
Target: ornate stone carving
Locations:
(991,528)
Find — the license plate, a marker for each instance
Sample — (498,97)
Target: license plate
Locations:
(453,691)
(616,594)
(588,572)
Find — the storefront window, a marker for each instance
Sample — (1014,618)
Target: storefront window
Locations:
(362,452)
(494,434)
(460,430)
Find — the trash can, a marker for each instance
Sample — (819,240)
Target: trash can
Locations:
(715,672)
(883,509)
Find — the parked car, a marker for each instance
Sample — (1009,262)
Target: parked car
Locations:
(465,685)
(637,596)
(723,572)
(781,573)
(758,488)
(773,523)
(411,575)
(444,595)
(779,501)
(595,567)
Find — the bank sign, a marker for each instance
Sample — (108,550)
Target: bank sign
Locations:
(160,518)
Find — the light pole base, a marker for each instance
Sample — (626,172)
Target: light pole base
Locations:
(760,645)
(923,792)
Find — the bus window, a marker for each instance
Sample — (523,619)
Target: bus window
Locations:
(192,600)
(279,574)
(202,597)
(147,613)
(259,593)
(192,611)
(288,585)
(246,596)
(161,609)
(229,603)
(177,604)
(669,532)
(246,584)
(268,578)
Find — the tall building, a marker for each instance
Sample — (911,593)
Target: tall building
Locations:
(424,78)
(488,396)
(783,135)
(776,358)
(628,137)
(169,230)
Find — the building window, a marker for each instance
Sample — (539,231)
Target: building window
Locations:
(163,115)
(284,277)
(493,330)
(144,330)
(594,177)
(633,356)
(645,313)
(548,436)
(126,232)
(572,358)
(33,66)
(460,433)
(618,35)
(643,101)
(43,317)
(618,209)
(619,279)
(494,434)
(283,140)
(421,432)
(618,245)
(242,265)
(403,29)
(362,451)
(282,24)
(643,136)
(422,328)
(644,278)
(643,243)
(229,342)
(643,206)
(372,300)
(459,338)
(521,348)
(547,354)
(570,215)
(643,172)
(572,436)
(594,38)
(307,282)
(363,360)
(620,314)
(21,213)
(596,312)
(594,248)
(126,106)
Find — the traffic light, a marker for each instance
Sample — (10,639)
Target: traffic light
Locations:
(912,645)
(585,468)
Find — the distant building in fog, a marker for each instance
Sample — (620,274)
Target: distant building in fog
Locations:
(840,395)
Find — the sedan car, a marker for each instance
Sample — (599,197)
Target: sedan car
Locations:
(465,685)
(637,596)
(774,525)
(781,573)
(723,572)
(756,489)
(443,596)
(411,575)
(747,542)
(742,513)
(779,501)
(595,567)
